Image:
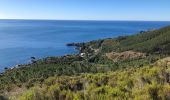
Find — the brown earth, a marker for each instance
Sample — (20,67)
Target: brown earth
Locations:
(124,55)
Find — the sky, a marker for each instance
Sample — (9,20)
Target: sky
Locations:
(148,10)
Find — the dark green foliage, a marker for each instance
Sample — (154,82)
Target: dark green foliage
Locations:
(156,41)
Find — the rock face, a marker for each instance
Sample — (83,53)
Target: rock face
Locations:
(125,55)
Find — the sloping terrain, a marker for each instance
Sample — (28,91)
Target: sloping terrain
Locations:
(145,83)
(156,41)
(127,67)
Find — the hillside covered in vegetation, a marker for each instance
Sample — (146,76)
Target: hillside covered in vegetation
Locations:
(126,67)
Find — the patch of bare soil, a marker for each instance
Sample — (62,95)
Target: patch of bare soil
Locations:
(124,55)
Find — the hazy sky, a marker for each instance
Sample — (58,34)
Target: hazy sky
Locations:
(86,9)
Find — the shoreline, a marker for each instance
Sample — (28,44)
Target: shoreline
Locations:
(17,58)
(83,50)
(76,46)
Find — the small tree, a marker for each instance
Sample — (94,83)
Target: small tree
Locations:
(33,60)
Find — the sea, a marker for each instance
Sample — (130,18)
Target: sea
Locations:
(22,39)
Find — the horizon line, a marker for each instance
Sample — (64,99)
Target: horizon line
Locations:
(84,20)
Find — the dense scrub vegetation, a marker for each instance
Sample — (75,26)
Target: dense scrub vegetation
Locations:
(156,41)
(96,75)
(144,83)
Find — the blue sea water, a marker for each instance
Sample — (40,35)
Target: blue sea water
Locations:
(21,39)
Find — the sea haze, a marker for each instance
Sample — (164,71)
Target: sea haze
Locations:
(21,39)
